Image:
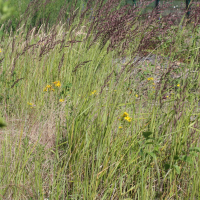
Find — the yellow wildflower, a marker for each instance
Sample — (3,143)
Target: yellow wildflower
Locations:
(61,100)
(125,114)
(150,79)
(136,95)
(128,118)
(30,104)
(93,92)
(120,127)
(57,83)
(178,85)
(48,87)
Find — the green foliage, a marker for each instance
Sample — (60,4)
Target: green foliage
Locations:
(37,13)
(5,11)
(103,132)
(2,124)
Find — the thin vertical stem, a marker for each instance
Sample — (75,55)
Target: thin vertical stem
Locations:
(188,7)
(157,3)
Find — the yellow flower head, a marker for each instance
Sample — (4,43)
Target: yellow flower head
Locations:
(136,95)
(48,87)
(150,79)
(120,127)
(61,100)
(125,114)
(31,104)
(57,83)
(128,118)
(93,92)
(178,85)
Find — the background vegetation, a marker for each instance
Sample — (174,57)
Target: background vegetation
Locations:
(87,115)
(43,11)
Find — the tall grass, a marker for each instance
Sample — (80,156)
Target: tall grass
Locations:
(82,125)
(34,13)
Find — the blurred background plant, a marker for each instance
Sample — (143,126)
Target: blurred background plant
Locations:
(5,10)
(2,124)
(5,13)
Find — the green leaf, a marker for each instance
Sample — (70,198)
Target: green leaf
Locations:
(141,152)
(2,124)
(167,166)
(177,168)
(152,154)
(187,159)
(149,143)
(156,148)
(146,134)
(191,125)
(193,153)
(176,157)
(194,149)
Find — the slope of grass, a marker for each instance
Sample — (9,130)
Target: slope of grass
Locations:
(79,126)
